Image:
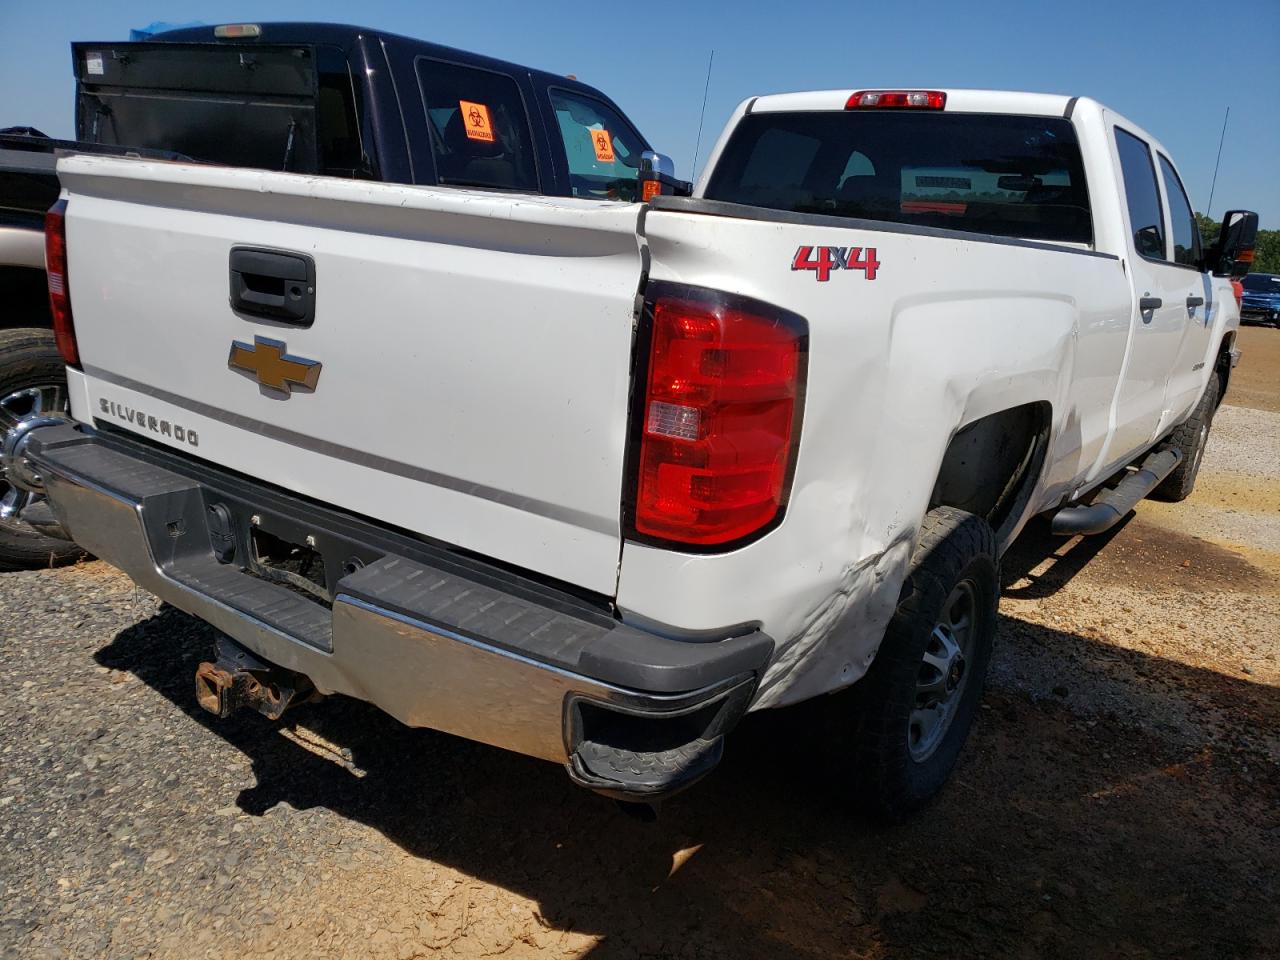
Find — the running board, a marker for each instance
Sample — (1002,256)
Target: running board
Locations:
(1110,506)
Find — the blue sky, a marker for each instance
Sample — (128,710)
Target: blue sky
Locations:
(1172,67)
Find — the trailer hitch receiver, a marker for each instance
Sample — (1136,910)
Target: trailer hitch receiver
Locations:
(238,679)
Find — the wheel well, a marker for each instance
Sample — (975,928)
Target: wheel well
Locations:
(992,464)
(25,295)
(1223,364)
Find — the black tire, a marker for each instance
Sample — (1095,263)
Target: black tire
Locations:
(29,358)
(891,778)
(1190,440)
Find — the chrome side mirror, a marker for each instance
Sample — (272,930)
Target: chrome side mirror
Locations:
(657,164)
(658,176)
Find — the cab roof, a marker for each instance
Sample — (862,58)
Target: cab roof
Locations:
(346,35)
(958,101)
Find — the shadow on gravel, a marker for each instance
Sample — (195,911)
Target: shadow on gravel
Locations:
(1055,838)
(1047,562)
(1040,564)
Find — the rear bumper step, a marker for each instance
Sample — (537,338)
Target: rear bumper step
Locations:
(433,638)
(1110,506)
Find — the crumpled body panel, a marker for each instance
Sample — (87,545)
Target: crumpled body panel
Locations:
(952,329)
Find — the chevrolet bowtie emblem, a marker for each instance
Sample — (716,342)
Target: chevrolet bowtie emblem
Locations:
(274,369)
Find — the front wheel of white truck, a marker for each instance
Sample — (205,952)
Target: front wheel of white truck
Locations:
(1190,439)
(914,708)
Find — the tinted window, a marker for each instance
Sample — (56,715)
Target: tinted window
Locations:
(479,129)
(200,100)
(778,156)
(1004,175)
(1140,193)
(602,149)
(337,121)
(1186,232)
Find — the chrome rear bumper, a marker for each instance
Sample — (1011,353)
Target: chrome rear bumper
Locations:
(434,640)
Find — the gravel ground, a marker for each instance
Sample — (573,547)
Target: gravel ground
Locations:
(1118,798)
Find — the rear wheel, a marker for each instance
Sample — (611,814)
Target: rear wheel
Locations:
(32,381)
(1190,439)
(914,708)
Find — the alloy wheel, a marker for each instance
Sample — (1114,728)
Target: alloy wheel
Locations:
(39,399)
(943,673)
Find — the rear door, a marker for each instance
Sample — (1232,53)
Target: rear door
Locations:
(464,374)
(1160,290)
(1187,376)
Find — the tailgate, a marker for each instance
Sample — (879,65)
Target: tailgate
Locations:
(473,349)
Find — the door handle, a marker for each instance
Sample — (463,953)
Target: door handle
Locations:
(1150,303)
(1193,302)
(273,284)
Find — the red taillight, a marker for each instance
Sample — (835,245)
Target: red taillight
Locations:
(1237,288)
(897,100)
(720,418)
(55,265)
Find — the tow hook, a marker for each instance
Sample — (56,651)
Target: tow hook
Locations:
(238,679)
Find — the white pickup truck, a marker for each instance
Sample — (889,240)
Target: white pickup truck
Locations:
(588,480)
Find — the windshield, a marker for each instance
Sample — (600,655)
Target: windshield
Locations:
(986,173)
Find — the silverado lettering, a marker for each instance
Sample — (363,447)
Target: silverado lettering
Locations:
(144,421)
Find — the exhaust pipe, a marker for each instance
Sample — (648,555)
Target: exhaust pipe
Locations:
(238,679)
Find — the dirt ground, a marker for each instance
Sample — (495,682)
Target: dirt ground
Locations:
(1256,382)
(1119,798)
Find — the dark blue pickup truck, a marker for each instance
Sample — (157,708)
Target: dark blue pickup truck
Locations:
(351,102)
(309,98)
(1261,300)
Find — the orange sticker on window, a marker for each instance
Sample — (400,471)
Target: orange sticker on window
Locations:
(475,120)
(603,144)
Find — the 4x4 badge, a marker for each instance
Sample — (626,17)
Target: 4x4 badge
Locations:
(836,258)
(266,361)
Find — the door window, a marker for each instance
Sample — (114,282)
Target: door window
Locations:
(1142,195)
(601,148)
(1186,232)
(479,129)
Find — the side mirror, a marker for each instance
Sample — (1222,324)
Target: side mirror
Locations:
(657,163)
(1232,252)
(658,176)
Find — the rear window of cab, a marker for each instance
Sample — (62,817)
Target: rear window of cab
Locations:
(1010,176)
